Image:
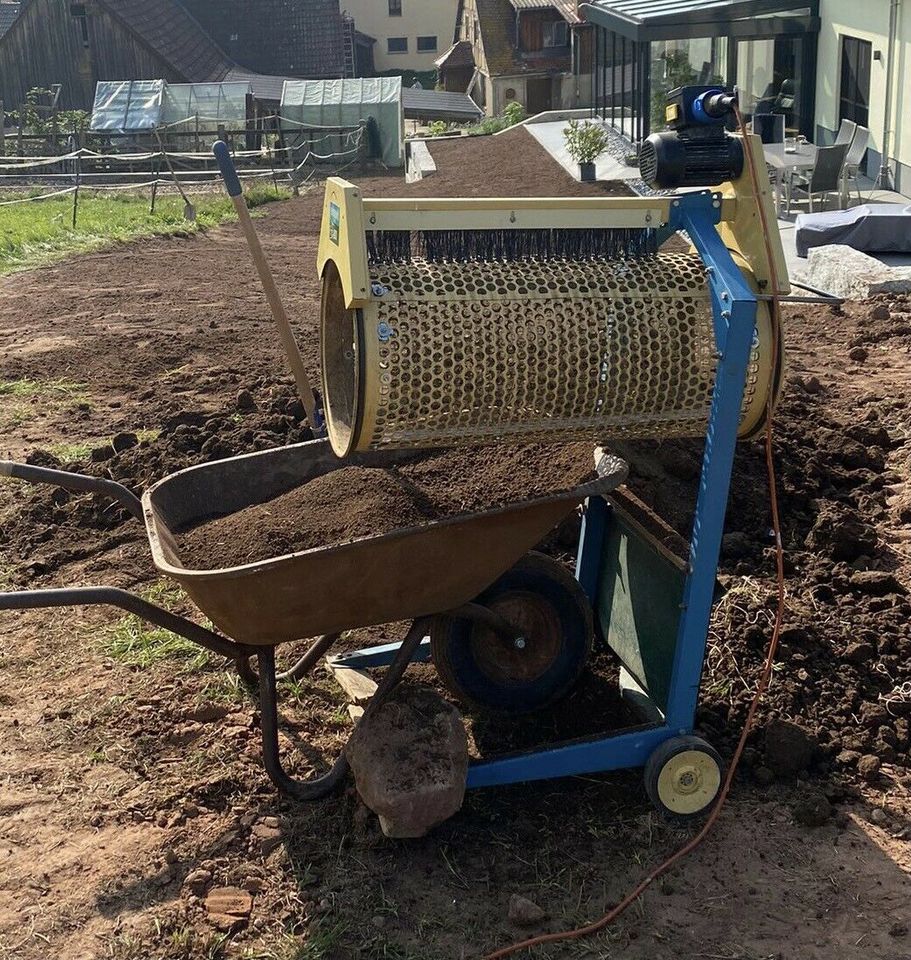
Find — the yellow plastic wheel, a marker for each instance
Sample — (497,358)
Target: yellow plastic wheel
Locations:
(683,777)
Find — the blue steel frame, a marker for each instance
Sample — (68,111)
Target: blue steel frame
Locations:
(734,319)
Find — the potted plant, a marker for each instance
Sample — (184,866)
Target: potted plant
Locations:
(585,142)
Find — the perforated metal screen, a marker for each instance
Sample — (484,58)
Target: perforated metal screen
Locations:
(488,352)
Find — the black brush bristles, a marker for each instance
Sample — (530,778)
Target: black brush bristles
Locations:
(459,246)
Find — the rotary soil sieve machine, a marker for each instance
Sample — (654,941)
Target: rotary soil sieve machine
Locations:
(454,321)
(448,322)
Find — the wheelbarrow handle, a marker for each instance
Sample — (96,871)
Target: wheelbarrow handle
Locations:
(115,597)
(74,481)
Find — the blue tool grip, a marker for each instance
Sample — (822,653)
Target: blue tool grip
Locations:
(226,166)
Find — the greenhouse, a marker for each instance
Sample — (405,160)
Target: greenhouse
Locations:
(346,104)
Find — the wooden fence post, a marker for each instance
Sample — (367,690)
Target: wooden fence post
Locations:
(76,191)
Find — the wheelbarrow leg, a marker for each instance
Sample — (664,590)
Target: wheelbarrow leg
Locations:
(300,669)
(296,789)
(320,786)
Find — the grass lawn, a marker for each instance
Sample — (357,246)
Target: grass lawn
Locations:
(36,233)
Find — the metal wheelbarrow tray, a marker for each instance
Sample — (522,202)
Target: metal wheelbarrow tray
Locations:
(408,574)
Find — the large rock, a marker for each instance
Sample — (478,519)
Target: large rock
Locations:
(846,272)
(410,761)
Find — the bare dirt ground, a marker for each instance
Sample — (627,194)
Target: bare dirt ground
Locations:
(131,787)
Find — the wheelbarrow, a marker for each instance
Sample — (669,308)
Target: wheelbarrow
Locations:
(505,629)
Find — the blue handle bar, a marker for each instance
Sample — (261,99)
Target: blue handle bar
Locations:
(226,166)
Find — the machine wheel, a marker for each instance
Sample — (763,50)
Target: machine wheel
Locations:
(683,777)
(484,669)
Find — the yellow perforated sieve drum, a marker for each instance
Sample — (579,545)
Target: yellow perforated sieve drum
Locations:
(444,354)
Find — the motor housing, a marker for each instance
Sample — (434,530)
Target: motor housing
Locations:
(697,150)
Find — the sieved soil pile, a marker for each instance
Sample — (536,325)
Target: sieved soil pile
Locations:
(354,501)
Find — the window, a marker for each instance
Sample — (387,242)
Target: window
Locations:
(854,95)
(397,45)
(427,44)
(556,34)
(395,8)
(77,10)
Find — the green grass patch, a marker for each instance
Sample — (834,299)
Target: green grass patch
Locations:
(70,452)
(32,234)
(21,399)
(6,575)
(134,641)
(149,436)
(27,388)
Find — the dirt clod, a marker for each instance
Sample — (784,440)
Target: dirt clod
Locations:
(868,766)
(859,653)
(877,583)
(812,808)
(124,441)
(840,532)
(245,402)
(788,747)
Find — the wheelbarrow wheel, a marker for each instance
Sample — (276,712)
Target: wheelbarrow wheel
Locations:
(553,617)
(683,777)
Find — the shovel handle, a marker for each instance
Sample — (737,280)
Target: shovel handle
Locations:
(235,192)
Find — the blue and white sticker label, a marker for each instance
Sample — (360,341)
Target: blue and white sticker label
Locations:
(335,217)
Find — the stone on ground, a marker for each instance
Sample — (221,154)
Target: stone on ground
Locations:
(229,908)
(524,912)
(410,761)
(846,272)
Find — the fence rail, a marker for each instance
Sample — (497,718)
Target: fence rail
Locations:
(17,174)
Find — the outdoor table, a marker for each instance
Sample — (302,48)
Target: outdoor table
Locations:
(783,163)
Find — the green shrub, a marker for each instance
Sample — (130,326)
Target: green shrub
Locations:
(585,141)
(513,113)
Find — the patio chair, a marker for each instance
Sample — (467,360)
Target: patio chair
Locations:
(853,159)
(824,178)
(769,126)
(846,131)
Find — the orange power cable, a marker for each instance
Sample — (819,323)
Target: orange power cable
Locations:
(766,674)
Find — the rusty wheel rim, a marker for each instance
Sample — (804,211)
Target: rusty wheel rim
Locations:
(528,657)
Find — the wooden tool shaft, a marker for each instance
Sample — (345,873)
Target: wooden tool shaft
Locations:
(278,310)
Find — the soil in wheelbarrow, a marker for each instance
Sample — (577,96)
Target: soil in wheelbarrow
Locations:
(357,502)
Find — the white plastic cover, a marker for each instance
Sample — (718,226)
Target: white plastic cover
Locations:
(124,106)
(345,103)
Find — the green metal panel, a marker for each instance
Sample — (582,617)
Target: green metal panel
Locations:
(639,597)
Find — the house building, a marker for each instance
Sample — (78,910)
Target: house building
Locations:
(409,34)
(535,52)
(8,13)
(816,62)
(78,44)
(863,74)
(643,48)
(295,38)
